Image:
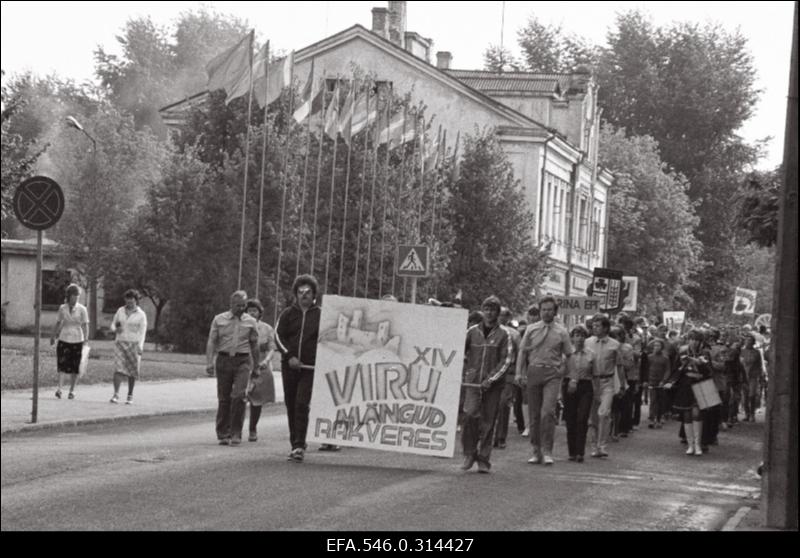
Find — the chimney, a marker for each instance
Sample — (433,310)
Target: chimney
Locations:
(397,23)
(443,60)
(380,21)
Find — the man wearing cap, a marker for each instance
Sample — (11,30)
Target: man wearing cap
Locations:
(488,358)
(540,367)
(232,354)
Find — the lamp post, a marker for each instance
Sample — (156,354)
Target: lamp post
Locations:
(92,278)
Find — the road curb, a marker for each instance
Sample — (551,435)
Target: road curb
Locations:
(25,428)
(737,518)
(99,420)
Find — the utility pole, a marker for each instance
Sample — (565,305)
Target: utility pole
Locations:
(779,484)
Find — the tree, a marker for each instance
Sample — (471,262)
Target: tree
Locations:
(651,220)
(499,59)
(547,49)
(153,254)
(758,209)
(101,188)
(159,66)
(487,210)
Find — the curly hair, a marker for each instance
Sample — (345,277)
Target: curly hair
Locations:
(305,279)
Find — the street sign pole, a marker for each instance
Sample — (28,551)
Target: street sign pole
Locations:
(413,290)
(37,325)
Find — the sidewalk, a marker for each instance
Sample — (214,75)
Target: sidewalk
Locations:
(91,404)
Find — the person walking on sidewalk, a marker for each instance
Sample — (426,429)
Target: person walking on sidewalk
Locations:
(233,342)
(262,389)
(296,335)
(608,363)
(130,325)
(488,359)
(540,367)
(72,331)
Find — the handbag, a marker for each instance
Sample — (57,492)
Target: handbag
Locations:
(706,394)
(84,364)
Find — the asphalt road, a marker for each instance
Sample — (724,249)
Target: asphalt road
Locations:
(168,473)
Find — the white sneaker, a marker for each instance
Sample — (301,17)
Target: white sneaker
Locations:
(114,399)
(526,432)
(534,460)
(547,460)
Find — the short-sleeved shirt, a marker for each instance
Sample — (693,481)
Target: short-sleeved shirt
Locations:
(543,345)
(231,334)
(71,322)
(607,353)
(580,365)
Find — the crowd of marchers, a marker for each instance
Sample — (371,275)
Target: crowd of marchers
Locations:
(597,376)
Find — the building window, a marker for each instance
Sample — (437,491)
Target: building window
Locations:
(584,221)
(54,285)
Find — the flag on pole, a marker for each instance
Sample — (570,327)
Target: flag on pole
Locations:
(393,133)
(431,156)
(332,115)
(228,69)
(242,86)
(361,116)
(346,120)
(266,91)
(310,99)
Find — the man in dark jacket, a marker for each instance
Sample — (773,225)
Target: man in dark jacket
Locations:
(487,360)
(296,335)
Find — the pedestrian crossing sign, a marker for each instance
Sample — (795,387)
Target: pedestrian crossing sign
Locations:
(412,261)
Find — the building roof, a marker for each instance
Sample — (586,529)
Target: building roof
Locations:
(514,82)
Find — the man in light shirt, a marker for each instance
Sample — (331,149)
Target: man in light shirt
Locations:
(540,368)
(607,363)
(233,340)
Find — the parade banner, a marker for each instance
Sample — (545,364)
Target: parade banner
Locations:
(630,293)
(577,305)
(607,285)
(675,320)
(744,302)
(388,376)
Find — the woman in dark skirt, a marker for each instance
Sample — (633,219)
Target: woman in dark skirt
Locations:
(693,368)
(72,330)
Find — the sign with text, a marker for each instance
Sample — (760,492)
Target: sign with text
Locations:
(630,293)
(388,376)
(744,302)
(578,305)
(607,285)
(675,320)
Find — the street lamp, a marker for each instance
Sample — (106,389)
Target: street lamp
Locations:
(72,122)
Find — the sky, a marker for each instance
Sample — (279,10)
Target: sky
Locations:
(60,37)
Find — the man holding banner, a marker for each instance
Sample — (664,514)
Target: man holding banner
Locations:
(488,357)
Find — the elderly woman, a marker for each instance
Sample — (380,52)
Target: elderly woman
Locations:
(262,389)
(72,331)
(130,325)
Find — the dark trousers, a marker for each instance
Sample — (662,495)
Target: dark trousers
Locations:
(658,403)
(577,407)
(637,405)
(710,425)
(480,410)
(503,413)
(626,409)
(518,397)
(233,373)
(297,386)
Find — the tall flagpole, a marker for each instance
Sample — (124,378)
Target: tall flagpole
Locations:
(385,200)
(333,183)
(347,186)
(319,178)
(399,205)
(305,177)
(264,145)
(421,179)
(246,162)
(284,187)
(372,202)
(361,202)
